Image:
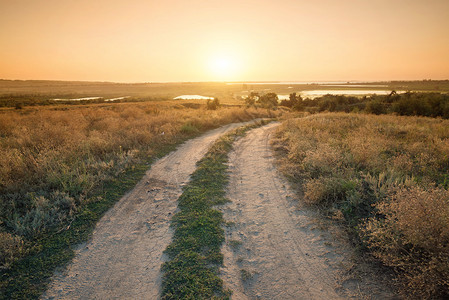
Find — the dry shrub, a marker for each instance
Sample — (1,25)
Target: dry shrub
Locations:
(42,213)
(321,190)
(412,235)
(328,190)
(11,248)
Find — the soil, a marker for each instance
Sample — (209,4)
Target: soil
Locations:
(275,249)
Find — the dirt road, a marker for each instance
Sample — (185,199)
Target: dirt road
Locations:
(273,249)
(123,258)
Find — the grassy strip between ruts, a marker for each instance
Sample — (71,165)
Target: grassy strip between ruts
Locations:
(194,254)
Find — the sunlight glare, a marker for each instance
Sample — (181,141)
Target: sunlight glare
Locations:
(223,67)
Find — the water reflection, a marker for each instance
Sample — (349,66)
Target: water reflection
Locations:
(193,97)
(318,93)
(77,99)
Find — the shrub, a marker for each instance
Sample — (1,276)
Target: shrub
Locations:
(411,233)
(11,248)
(251,99)
(189,128)
(375,107)
(327,190)
(42,214)
(268,100)
(213,104)
(407,104)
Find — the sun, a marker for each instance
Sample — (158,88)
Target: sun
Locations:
(223,67)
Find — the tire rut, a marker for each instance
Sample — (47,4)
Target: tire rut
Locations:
(273,249)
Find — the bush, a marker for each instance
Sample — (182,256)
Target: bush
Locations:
(43,213)
(11,248)
(375,107)
(327,190)
(268,100)
(213,104)
(406,104)
(294,102)
(189,128)
(411,233)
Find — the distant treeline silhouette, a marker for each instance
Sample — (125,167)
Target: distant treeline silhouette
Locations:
(404,104)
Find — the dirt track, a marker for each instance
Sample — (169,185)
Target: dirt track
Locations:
(273,249)
(123,258)
(275,246)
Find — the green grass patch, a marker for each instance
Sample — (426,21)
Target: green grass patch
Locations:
(189,128)
(194,254)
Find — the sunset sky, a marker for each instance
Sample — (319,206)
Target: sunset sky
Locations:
(233,40)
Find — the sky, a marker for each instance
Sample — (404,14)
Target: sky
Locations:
(233,40)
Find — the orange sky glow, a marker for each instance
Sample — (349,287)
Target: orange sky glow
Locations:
(210,40)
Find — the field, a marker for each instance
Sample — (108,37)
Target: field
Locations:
(386,178)
(59,163)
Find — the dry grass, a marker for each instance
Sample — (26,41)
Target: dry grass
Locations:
(54,159)
(389,177)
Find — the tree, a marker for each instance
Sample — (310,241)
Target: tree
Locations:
(268,100)
(294,102)
(213,104)
(252,98)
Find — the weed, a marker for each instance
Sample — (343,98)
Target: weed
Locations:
(229,223)
(245,275)
(189,128)
(235,244)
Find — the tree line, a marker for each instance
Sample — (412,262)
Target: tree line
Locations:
(404,104)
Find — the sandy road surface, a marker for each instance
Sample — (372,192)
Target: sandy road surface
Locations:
(273,250)
(123,258)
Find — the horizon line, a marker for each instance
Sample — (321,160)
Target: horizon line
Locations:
(235,81)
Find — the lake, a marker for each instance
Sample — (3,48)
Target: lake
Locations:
(91,98)
(193,97)
(350,92)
